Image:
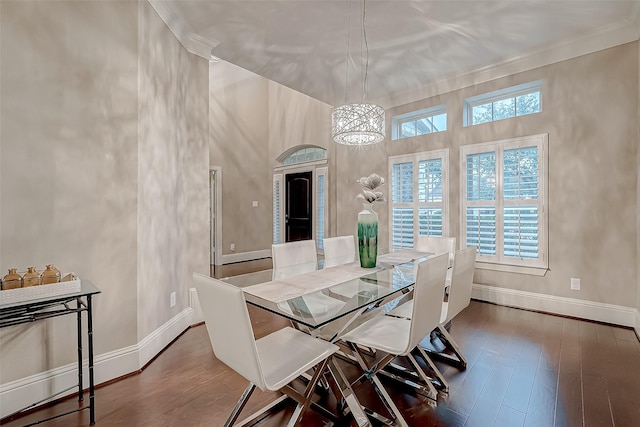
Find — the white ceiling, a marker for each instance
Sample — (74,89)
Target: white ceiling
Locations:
(416,48)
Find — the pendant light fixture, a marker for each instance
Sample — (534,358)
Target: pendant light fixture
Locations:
(358,124)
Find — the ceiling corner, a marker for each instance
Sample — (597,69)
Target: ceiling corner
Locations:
(201,46)
(180,28)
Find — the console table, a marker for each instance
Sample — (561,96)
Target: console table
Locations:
(53,306)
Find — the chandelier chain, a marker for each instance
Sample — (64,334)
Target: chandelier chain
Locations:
(366,52)
(346,77)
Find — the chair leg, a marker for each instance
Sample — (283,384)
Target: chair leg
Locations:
(303,405)
(456,359)
(378,387)
(444,385)
(347,400)
(241,402)
(433,393)
(382,392)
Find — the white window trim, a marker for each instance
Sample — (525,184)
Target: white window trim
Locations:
(296,166)
(396,121)
(318,173)
(499,95)
(416,204)
(498,261)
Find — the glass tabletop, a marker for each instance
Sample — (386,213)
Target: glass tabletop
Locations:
(343,295)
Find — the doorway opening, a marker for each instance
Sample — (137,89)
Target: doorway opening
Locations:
(300,195)
(298,206)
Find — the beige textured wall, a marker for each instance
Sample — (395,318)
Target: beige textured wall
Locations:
(68,140)
(239,132)
(173,171)
(590,113)
(638,195)
(103,168)
(297,119)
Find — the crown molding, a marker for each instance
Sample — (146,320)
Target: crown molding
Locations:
(201,46)
(192,42)
(603,38)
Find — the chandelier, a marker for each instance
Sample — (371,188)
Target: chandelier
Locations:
(358,124)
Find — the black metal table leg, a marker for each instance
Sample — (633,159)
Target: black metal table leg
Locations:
(79,323)
(92,412)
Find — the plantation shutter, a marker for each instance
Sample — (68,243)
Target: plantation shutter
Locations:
(520,191)
(402,200)
(418,196)
(430,196)
(321,206)
(481,202)
(277,208)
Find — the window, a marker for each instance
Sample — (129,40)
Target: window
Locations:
(277,204)
(419,196)
(304,155)
(419,122)
(502,104)
(321,206)
(504,200)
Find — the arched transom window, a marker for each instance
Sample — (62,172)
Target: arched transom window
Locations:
(302,154)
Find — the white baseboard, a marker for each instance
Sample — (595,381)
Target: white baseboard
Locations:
(18,394)
(246,256)
(637,328)
(153,343)
(197,316)
(601,312)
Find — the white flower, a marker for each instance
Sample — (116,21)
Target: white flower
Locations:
(372,181)
(369,184)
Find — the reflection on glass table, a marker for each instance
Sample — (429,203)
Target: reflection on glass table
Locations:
(316,298)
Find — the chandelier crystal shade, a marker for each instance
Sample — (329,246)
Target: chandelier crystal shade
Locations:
(357,124)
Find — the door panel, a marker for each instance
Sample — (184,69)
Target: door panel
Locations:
(298,219)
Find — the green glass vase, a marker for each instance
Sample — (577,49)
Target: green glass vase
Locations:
(368,236)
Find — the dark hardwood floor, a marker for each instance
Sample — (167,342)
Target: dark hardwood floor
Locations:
(524,369)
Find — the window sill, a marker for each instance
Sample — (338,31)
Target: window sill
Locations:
(532,271)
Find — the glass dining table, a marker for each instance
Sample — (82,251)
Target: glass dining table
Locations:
(327,302)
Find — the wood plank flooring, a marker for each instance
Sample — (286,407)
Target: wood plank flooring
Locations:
(524,369)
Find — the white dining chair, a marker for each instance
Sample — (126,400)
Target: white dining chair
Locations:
(459,299)
(400,337)
(437,245)
(293,258)
(339,250)
(269,363)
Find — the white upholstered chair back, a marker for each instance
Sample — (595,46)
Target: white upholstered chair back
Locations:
(229,327)
(293,258)
(339,250)
(461,282)
(427,298)
(437,245)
